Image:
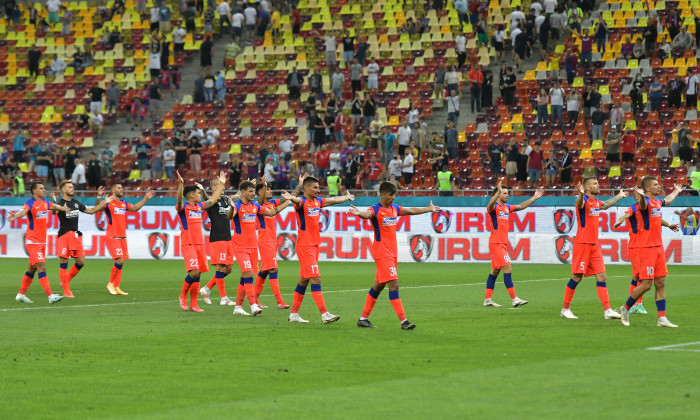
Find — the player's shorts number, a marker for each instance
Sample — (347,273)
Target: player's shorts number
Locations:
(65,250)
(247,264)
(40,255)
(274,259)
(583,266)
(392,271)
(650,271)
(119,251)
(222,256)
(314,268)
(506,259)
(194,262)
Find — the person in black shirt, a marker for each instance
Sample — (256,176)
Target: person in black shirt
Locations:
(83,122)
(43,161)
(348,48)
(509,80)
(33,58)
(676,87)
(180,147)
(94,171)
(96,99)
(206,53)
(487,89)
(350,168)
(369,109)
(319,132)
(195,148)
(70,239)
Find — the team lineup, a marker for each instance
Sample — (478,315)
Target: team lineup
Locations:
(245,230)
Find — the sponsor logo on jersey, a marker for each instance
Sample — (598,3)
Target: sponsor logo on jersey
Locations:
(390,221)
(595,212)
(42,215)
(441,221)
(286,246)
(73,214)
(503,214)
(563,221)
(120,210)
(655,212)
(248,217)
(195,214)
(158,244)
(324,220)
(313,211)
(564,247)
(420,246)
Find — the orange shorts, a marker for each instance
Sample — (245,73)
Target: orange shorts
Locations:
(268,255)
(117,248)
(36,252)
(308,261)
(195,257)
(499,255)
(386,270)
(247,258)
(69,246)
(652,263)
(221,252)
(634,260)
(587,260)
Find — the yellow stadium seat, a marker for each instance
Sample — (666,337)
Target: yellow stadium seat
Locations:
(597,145)
(586,154)
(676,162)
(134,175)
(614,171)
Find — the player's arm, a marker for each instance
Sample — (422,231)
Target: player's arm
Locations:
(674,227)
(681,215)
(101,205)
(621,220)
(136,207)
(412,211)
(178,196)
(622,194)
(338,200)
(293,199)
(669,198)
(642,199)
(20,214)
(232,208)
(53,197)
(216,195)
(492,201)
(56,208)
(581,193)
(205,196)
(275,210)
(525,204)
(367,214)
(300,186)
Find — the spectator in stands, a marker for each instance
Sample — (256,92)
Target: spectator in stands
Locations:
(330,42)
(586,54)
(650,34)
(118,8)
(686,143)
(212,136)
(141,7)
(556,102)
(224,11)
(220,86)
(337,82)
(59,172)
(96,124)
(236,170)
(573,106)
(251,14)
(601,35)
(403,136)
(612,143)
(628,144)
(363,140)
(18,147)
(154,100)
(655,93)
(179,34)
(487,90)
(597,120)
(375,127)
(43,161)
(113,98)
(189,15)
(418,137)
(683,41)
(638,52)
(509,87)
(164,13)
(571,66)
(461,49)
(520,47)
(83,122)
(275,22)
(33,59)
(453,106)
(626,49)
(476,79)
(676,87)
(209,87)
(53,6)
(690,219)
(373,75)
(237,21)
(316,83)
(269,171)
(294,82)
(691,93)
(462,11)
(261,21)
(451,138)
(495,152)
(209,17)
(66,20)
(407,167)
(58,66)
(78,175)
(557,22)
(567,162)
(551,170)
(206,53)
(194,148)
(142,150)
(356,76)
(369,109)
(512,153)
(72,152)
(452,78)
(482,32)
(94,171)
(374,171)
(107,158)
(320,127)
(637,94)
(154,59)
(155,17)
(534,165)
(498,38)
(575,15)
(412,114)
(617,116)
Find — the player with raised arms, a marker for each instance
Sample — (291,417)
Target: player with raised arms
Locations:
(189,213)
(498,214)
(308,208)
(651,255)
(587,257)
(245,213)
(384,217)
(37,211)
(116,232)
(70,240)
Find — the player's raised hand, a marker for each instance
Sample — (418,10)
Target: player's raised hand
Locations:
(12,217)
(100,192)
(350,196)
(150,194)
(53,196)
(179,178)
(302,177)
(434,209)
(354,210)
(580,189)
(678,188)
(638,191)
(623,193)
(222,177)
(677,212)
(674,227)
(498,186)
(539,193)
(286,195)
(198,185)
(110,198)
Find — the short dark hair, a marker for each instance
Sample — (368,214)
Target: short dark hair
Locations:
(246,185)
(259,187)
(588,178)
(387,188)
(34,185)
(189,189)
(114,184)
(646,181)
(309,180)
(566,149)
(495,189)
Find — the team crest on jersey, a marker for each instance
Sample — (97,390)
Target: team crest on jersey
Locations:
(3,218)
(390,221)
(101,220)
(324,220)
(563,221)
(421,246)
(565,247)
(286,246)
(441,221)
(158,244)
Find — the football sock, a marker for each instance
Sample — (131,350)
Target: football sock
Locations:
(275,285)
(219,280)
(212,283)
(73,272)
(240,293)
(194,292)
(490,284)
(569,293)
(116,277)
(259,284)
(398,306)
(249,290)
(633,285)
(508,281)
(26,281)
(369,302)
(602,289)
(630,302)
(63,273)
(298,298)
(661,307)
(186,286)
(318,297)
(45,283)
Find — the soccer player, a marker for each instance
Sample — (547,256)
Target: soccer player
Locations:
(245,213)
(220,245)
(308,208)
(267,247)
(70,239)
(587,257)
(651,255)
(499,215)
(116,232)
(191,239)
(37,211)
(384,216)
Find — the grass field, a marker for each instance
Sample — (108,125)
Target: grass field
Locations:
(140,356)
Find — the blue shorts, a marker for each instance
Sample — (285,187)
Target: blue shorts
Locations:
(42,171)
(551,172)
(535,174)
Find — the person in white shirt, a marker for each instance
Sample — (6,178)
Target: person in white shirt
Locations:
(269,170)
(537,7)
(538,22)
(169,161)
(373,75)
(52,6)
(514,33)
(549,6)
(691,93)
(224,12)
(266,6)
(335,159)
(330,50)
(78,178)
(58,66)
(212,136)
(286,146)
(556,102)
(237,24)
(461,49)
(403,136)
(179,35)
(250,14)
(407,167)
(515,16)
(155,18)
(198,133)
(395,165)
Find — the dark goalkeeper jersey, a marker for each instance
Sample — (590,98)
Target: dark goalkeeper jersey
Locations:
(220,225)
(69,220)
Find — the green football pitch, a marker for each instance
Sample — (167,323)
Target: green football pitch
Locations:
(141,356)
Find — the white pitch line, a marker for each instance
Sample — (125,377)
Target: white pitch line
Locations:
(672,347)
(326,291)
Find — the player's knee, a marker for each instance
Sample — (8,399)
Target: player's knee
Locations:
(495,271)
(660,283)
(227,270)
(273,270)
(194,274)
(119,261)
(646,285)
